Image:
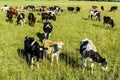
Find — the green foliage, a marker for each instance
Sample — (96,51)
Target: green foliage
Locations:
(70,28)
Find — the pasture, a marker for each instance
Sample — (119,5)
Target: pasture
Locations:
(70,28)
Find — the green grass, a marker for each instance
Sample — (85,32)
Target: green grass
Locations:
(69,28)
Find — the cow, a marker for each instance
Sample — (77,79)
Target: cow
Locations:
(113,8)
(47,28)
(31,19)
(54,49)
(9,16)
(108,20)
(20,19)
(43,9)
(89,52)
(94,7)
(58,9)
(33,49)
(5,8)
(94,13)
(102,8)
(31,7)
(13,11)
(48,16)
(77,9)
(70,9)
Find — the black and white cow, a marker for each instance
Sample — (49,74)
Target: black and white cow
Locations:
(31,19)
(58,9)
(47,28)
(48,16)
(70,9)
(9,16)
(94,13)
(20,19)
(32,49)
(108,20)
(5,8)
(89,53)
(113,8)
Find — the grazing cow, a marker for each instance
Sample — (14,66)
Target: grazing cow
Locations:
(47,29)
(31,19)
(94,7)
(70,9)
(102,8)
(109,21)
(20,19)
(94,13)
(32,49)
(48,16)
(113,8)
(31,7)
(89,53)
(9,15)
(53,49)
(77,9)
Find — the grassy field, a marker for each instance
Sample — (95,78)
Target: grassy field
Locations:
(70,28)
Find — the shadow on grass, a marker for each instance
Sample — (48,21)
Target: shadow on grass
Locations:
(40,36)
(22,54)
(70,60)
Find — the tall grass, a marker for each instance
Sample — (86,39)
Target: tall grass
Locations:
(69,28)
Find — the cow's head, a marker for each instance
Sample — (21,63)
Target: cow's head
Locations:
(103,64)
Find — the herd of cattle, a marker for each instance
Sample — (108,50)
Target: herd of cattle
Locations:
(31,46)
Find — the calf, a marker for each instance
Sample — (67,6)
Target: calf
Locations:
(113,8)
(32,49)
(31,19)
(109,21)
(89,53)
(53,49)
(48,16)
(94,13)
(47,29)
(20,19)
(9,15)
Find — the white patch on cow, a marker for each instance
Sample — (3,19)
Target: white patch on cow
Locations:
(41,49)
(33,42)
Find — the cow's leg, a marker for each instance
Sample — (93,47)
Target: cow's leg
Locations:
(52,59)
(32,61)
(57,57)
(37,62)
(91,16)
(45,35)
(92,65)
(84,64)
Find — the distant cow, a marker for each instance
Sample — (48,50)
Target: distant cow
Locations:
(32,49)
(48,16)
(9,16)
(31,19)
(102,8)
(108,20)
(94,7)
(77,9)
(58,9)
(113,8)
(89,53)
(5,8)
(47,29)
(70,9)
(43,9)
(20,19)
(94,13)
(13,11)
